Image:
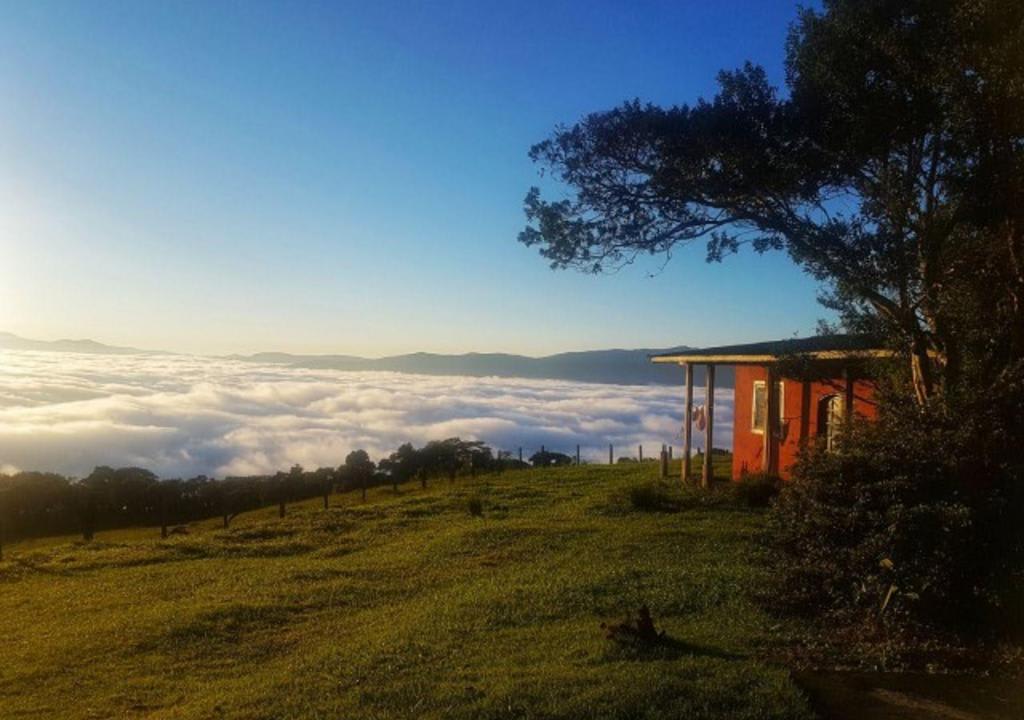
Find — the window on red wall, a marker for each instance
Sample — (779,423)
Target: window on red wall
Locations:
(761,405)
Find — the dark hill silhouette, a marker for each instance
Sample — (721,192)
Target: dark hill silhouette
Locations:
(622,367)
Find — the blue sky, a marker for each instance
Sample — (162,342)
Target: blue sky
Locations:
(348,176)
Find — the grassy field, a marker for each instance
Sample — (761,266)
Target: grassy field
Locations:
(405,606)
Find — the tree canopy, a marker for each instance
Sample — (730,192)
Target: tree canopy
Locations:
(889,169)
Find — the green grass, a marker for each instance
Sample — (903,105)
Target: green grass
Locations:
(406,606)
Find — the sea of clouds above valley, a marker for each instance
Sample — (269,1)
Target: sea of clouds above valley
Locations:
(185,415)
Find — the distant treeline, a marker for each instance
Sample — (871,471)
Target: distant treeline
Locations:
(34,504)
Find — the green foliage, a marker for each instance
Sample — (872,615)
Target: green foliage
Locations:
(357,472)
(890,169)
(757,490)
(912,522)
(402,465)
(446,458)
(35,504)
(547,458)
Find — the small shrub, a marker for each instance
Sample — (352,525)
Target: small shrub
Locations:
(476,507)
(757,490)
(913,523)
(652,497)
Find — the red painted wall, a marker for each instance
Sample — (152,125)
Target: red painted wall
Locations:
(748,446)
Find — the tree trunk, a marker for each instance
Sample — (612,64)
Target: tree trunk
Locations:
(89,516)
(921,373)
(1015,245)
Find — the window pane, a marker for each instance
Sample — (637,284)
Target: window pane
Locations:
(760,409)
(760,405)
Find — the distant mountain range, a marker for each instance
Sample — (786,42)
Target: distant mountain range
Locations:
(622,367)
(10,341)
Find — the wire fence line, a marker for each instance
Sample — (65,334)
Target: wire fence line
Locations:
(34,504)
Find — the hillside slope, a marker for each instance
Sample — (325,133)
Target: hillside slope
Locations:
(403,606)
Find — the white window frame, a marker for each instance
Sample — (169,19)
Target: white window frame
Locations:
(753,405)
(835,419)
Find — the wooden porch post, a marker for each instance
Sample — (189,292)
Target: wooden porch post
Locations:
(805,411)
(848,399)
(688,424)
(709,432)
(771,419)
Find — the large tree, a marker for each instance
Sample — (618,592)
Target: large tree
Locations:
(890,169)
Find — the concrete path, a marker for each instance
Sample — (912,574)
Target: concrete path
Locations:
(899,696)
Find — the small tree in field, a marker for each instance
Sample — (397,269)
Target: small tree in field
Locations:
(442,457)
(324,479)
(358,470)
(402,465)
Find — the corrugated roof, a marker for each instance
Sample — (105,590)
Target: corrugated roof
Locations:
(818,346)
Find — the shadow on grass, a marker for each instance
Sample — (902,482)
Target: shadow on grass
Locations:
(667,498)
(667,648)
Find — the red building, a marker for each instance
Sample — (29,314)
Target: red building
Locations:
(810,385)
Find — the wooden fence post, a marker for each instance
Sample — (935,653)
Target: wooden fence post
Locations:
(664,463)
(708,474)
(688,425)
(641,451)
(771,418)
(577,454)
(805,411)
(611,455)
(162,503)
(89,521)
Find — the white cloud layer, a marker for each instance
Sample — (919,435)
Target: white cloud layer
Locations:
(183,415)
